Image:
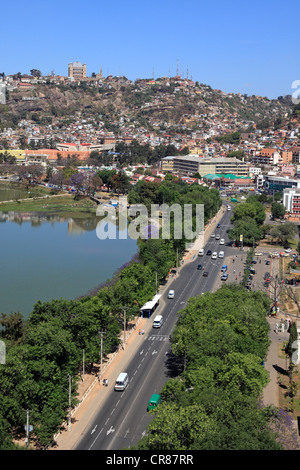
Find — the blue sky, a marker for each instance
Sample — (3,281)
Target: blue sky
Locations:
(236,46)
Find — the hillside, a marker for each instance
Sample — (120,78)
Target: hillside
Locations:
(160,105)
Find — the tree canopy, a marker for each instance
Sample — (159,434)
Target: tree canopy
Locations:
(213,404)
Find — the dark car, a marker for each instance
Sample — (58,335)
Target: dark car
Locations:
(208,252)
(267,276)
(218,225)
(253,261)
(205,274)
(199,266)
(267,262)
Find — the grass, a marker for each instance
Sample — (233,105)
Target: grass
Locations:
(64,205)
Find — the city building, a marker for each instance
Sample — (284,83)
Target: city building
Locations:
(76,70)
(279,183)
(267,156)
(167,164)
(190,164)
(291,200)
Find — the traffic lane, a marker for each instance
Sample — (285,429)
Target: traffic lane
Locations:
(145,384)
(129,418)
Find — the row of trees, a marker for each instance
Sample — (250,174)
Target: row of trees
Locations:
(220,340)
(248,220)
(44,353)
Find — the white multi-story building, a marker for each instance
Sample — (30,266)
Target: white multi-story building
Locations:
(291,200)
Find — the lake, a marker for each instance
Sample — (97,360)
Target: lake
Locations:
(51,258)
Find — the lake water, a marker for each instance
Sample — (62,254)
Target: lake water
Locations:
(45,259)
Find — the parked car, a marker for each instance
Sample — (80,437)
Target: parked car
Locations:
(218,225)
(224,277)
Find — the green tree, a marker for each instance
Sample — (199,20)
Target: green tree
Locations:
(277,210)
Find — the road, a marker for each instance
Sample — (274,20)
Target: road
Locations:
(123,418)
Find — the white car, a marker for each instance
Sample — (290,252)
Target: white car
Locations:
(212,235)
(171,294)
(222,241)
(201,252)
(214,255)
(217,237)
(221,254)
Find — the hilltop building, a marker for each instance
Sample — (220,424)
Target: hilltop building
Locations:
(76,70)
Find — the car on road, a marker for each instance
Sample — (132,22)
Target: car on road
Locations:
(208,252)
(214,255)
(217,237)
(222,241)
(200,266)
(171,294)
(205,273)
(201,252)
(218,225)
(213,235)
(221,254)
(154,401)
(224,277)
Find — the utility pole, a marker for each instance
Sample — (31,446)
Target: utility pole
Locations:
(124,320)
(27,429)
(83,364)
(70,396)
(101,354)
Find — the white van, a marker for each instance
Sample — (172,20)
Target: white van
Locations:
(201,252)
(122,381)
(171,294)
(158,320)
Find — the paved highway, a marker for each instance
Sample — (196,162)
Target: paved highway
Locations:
(123,418)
